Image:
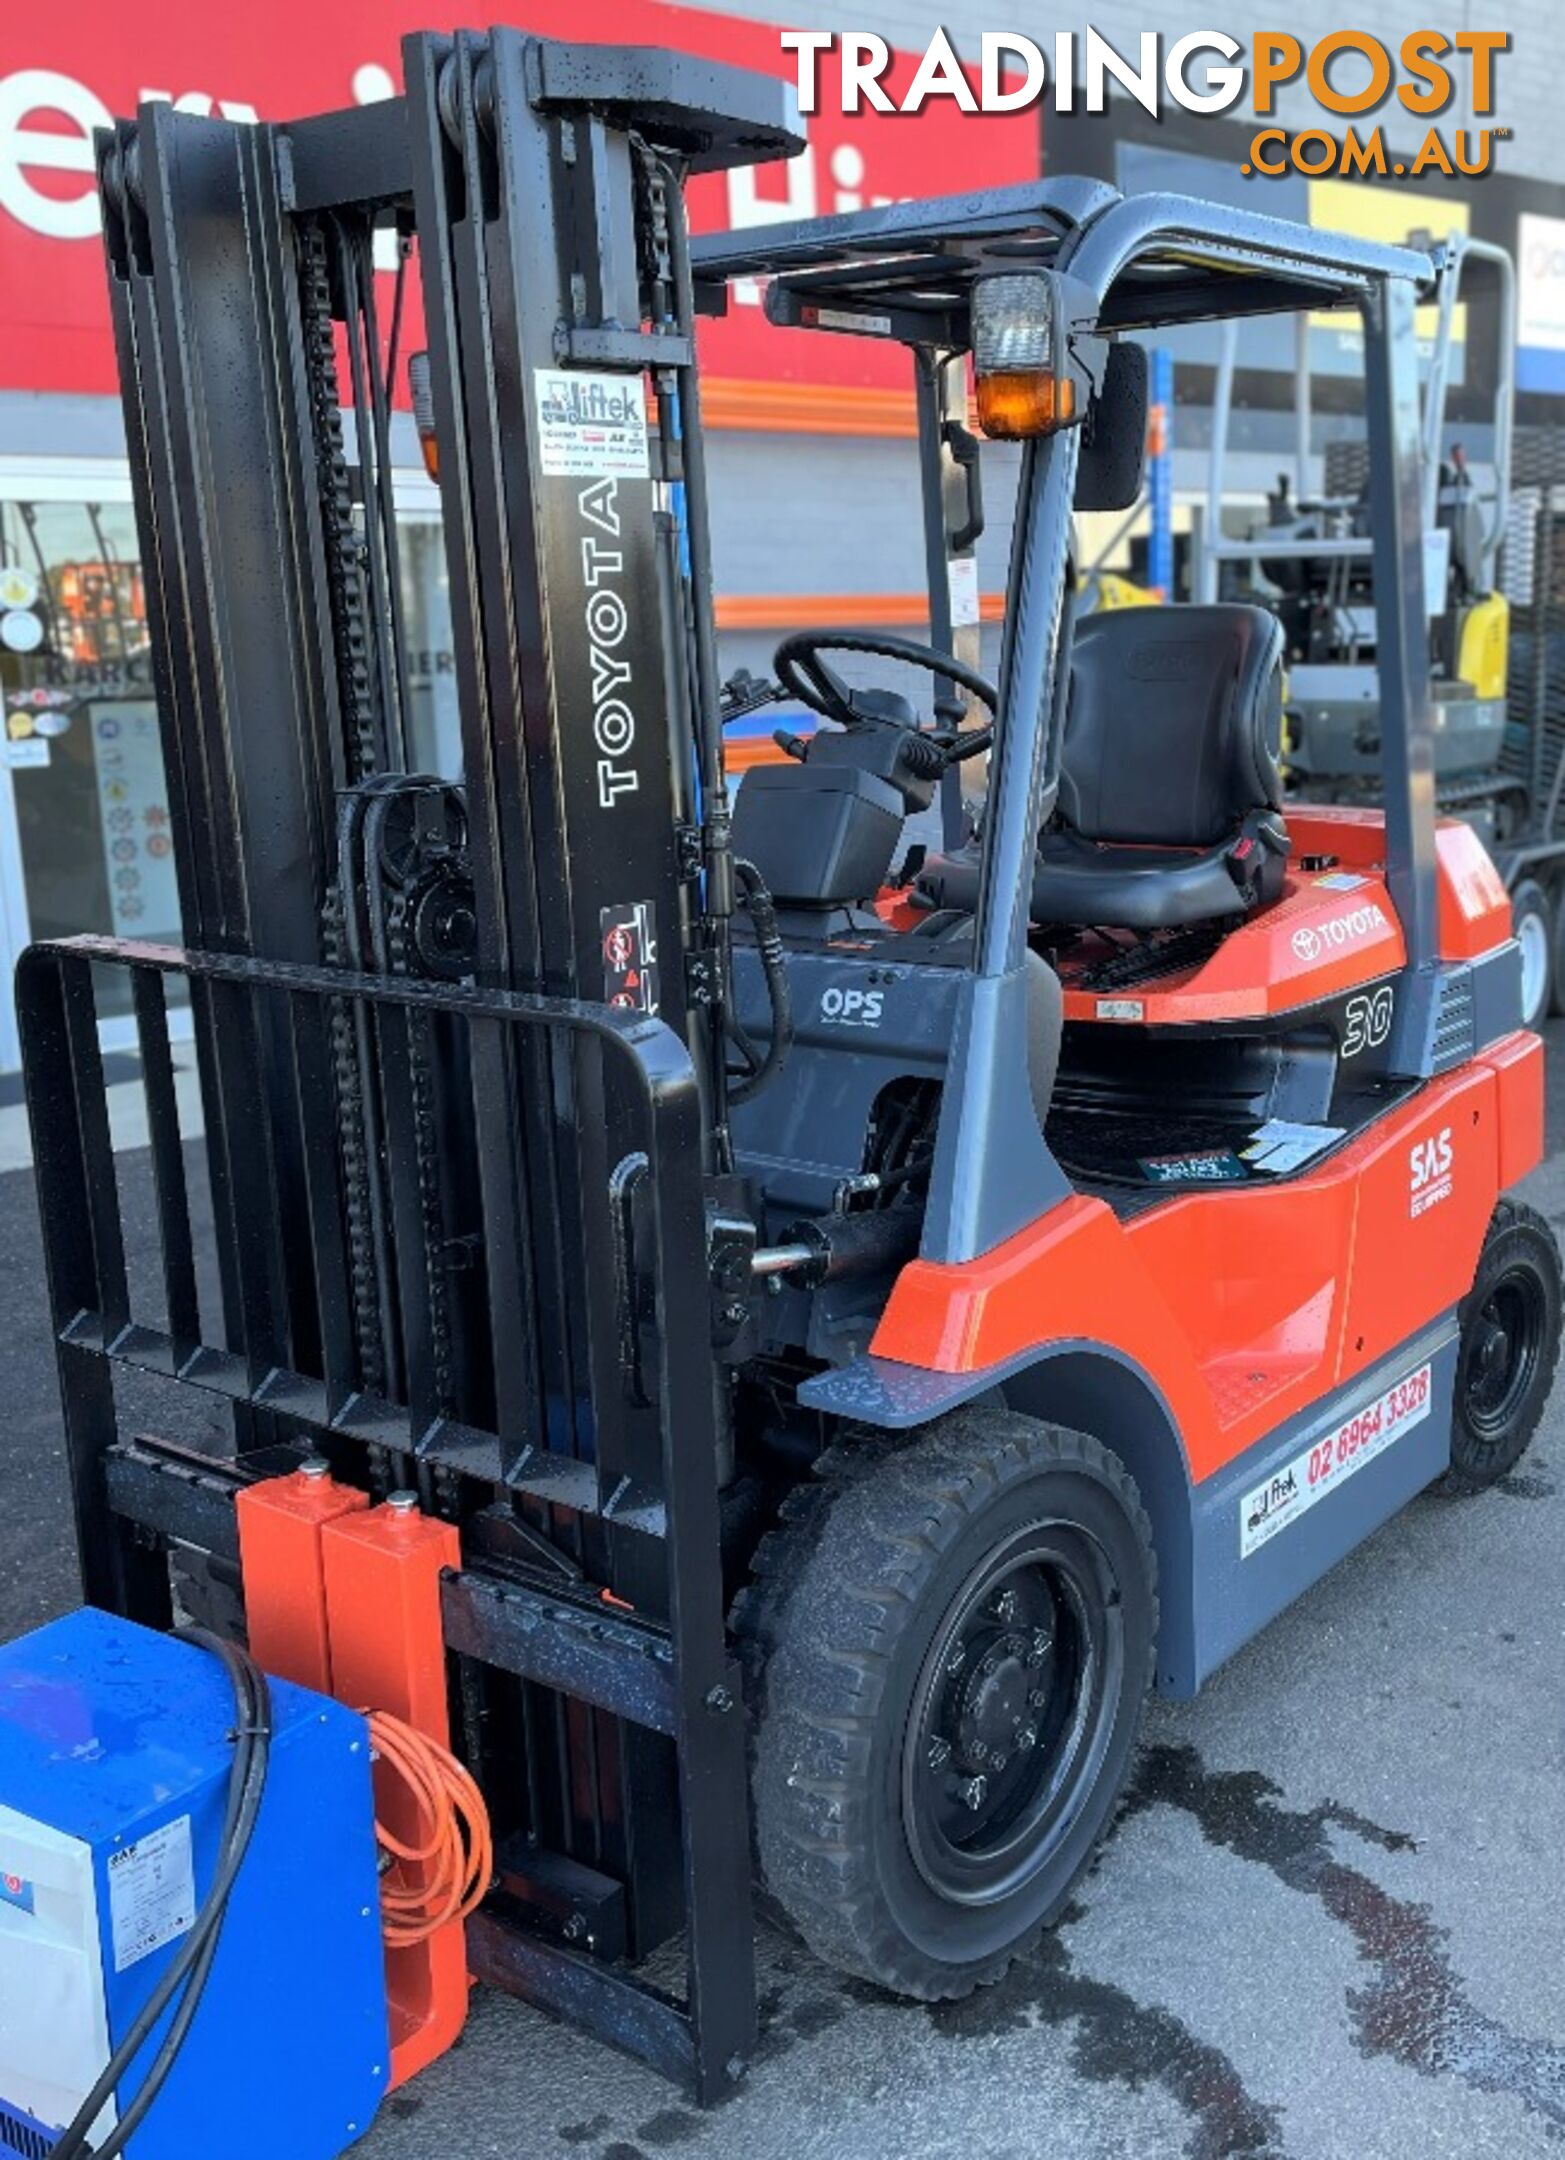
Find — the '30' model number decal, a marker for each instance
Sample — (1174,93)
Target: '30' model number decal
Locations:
(1366,1020)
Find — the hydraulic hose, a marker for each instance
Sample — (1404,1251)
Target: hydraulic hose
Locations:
(774,966)
(191,1969)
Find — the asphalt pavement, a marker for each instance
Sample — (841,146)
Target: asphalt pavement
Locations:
(1330,1927)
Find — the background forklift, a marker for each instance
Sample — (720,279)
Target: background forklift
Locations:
(1311,561)
(836,1323)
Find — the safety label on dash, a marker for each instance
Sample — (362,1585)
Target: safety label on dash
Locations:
(591,427)
(152,1892)
(1331,1460)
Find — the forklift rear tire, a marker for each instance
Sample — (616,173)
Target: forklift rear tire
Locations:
(948,1645)
(1557,945)
(1532,923)
(1508,1348)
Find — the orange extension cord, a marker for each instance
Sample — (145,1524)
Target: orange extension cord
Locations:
(427,1887)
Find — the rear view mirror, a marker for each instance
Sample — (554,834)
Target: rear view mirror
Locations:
(1112,465)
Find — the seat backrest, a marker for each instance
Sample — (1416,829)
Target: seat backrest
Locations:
(1174,728)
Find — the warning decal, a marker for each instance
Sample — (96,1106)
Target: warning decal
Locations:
(630,957)
(152,1892)
(1330,1461)
(591,426)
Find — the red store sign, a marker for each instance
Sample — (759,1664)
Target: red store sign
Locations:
(64,75)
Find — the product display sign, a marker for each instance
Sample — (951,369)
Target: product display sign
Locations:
(138,850)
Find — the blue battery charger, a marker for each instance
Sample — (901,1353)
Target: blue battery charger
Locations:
(114,1775)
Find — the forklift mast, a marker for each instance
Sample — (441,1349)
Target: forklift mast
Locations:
(460,1047)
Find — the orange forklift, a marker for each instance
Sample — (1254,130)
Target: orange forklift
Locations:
(840,1318)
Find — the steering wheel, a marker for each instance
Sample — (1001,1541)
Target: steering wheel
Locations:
(803,674)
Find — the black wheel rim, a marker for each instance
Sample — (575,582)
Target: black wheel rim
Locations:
(1012,1714)
(1500,1355)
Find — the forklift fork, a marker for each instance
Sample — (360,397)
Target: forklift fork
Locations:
(567,1642)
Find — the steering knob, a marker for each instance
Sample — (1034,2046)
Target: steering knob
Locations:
(924,758)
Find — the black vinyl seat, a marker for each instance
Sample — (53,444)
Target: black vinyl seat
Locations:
(1170,788)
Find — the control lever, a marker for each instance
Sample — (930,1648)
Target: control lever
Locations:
(745,693)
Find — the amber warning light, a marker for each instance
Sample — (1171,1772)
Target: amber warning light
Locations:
(1025,385)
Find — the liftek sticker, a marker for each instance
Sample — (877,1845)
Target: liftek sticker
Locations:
(152,1892)
(1121,1009)
(591,426)
(1331,1460)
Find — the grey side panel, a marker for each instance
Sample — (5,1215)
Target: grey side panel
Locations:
(1236,1596)
(861,1020)
(993,1172)
(1497,993)
(1480,1001)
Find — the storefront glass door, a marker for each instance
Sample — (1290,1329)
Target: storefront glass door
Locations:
(85,839)
(84,826)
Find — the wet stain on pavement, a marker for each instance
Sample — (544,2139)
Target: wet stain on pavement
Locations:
(1526,1485)
(1239,1810)
(1117,2040)
(785,2019)
(668,2127)
(583,2133)
(1414,2007)
(816,2014)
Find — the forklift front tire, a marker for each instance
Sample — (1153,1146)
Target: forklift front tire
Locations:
(948,1646)
(1508,1348)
